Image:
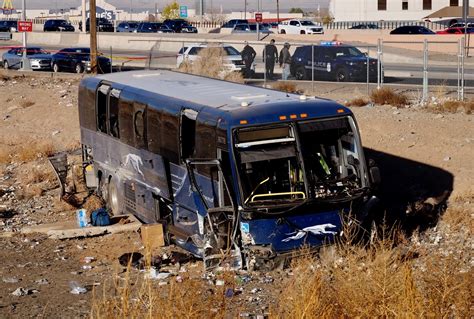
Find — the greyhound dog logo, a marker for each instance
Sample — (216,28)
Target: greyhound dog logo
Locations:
(315,230)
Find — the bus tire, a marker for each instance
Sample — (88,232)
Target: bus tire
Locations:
(113,198)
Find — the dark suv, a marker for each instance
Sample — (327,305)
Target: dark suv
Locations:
(180,26)
(332,61)
(58,25)
(8,26)
(102,24)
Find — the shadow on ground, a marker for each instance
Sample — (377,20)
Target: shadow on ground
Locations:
(414,194)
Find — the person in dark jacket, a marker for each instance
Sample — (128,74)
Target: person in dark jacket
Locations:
(270,55)
(285,61)
(248,56)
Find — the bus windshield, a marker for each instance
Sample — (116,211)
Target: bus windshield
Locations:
(319,159)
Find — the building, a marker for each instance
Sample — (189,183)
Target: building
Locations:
(387,10)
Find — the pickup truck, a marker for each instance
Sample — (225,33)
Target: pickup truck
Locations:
(297,26)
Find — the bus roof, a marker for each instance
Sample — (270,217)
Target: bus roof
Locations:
(225,96)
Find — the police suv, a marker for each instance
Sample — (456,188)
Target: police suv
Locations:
(332,61)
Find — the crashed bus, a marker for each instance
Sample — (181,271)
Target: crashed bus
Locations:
(238,175)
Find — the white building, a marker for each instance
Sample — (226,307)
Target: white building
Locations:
(387,10)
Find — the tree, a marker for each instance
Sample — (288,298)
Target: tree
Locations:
(171,11)
(296,10)
(328,19)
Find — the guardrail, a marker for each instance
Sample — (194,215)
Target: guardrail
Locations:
(5,36)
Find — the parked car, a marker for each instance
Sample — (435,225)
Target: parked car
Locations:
(332,61)
(148,27)
(251,28)
(456,30)
(165,29)
(39,58)
(461,25)
(297,26)
(190,54)
(77,60)
(58,25)
(180,26)
(127,26)
(412,29)
(365,26)
(232,23)
(102,25)
(8,26)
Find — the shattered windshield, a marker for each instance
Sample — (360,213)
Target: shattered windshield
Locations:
(270,169)
(331,153)
(316,159)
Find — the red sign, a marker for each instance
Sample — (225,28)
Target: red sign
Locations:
(25,26)
(258,17)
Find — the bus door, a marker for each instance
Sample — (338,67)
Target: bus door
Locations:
(218,220)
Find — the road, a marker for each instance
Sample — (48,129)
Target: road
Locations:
(438,73)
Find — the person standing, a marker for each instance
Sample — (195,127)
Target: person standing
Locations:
(248,56)
(285,61)
(270,55)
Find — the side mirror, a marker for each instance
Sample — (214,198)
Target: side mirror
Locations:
(374,173)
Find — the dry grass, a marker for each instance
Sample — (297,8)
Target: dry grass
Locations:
(30,191)
(93,202)
(26,103)
(388,96)
(37,174)
(378,281)
(34,149)
(211,63)
(453,106)
(144,298)
(285,87)
(358,101)
(5,156)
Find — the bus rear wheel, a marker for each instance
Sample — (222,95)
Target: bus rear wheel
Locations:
(109,193)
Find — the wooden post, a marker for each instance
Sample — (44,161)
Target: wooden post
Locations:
(93,32)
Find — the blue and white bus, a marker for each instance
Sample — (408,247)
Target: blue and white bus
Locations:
(237,174)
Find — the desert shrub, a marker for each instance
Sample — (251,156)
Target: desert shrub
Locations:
(386,95)
(358,101)
(211,63)
(285,87)
(34,149)
(453,106)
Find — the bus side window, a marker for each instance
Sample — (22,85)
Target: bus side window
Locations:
(187,134)
(154,130)
(139,120)
(102,108)
(125,110)
(114,112)
(169,137)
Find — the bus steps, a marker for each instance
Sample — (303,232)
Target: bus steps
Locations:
(60,167)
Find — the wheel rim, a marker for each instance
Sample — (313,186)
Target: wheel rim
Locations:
(78,69)
(341,77)
(5,65)
(299,74)
(55,67)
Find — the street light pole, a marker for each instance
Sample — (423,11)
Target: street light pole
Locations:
(25,63)
(130,10)
(93,32)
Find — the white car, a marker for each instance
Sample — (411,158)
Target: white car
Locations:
(190,53)
(297,26)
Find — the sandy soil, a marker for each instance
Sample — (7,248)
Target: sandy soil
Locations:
(420,154)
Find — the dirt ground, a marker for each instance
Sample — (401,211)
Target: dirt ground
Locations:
(420,153)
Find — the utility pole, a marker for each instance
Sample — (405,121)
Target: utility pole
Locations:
(278,16)
(245,9)
(130,10)
(25,63)
(83,20)
(93,32)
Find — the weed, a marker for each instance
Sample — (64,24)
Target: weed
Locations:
(34,149)
(26,103)
(211,63)
(358,101)
(453,106)
(5,155)
(386,95)
(285,87)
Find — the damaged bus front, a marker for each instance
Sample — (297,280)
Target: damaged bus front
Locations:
(288,182)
